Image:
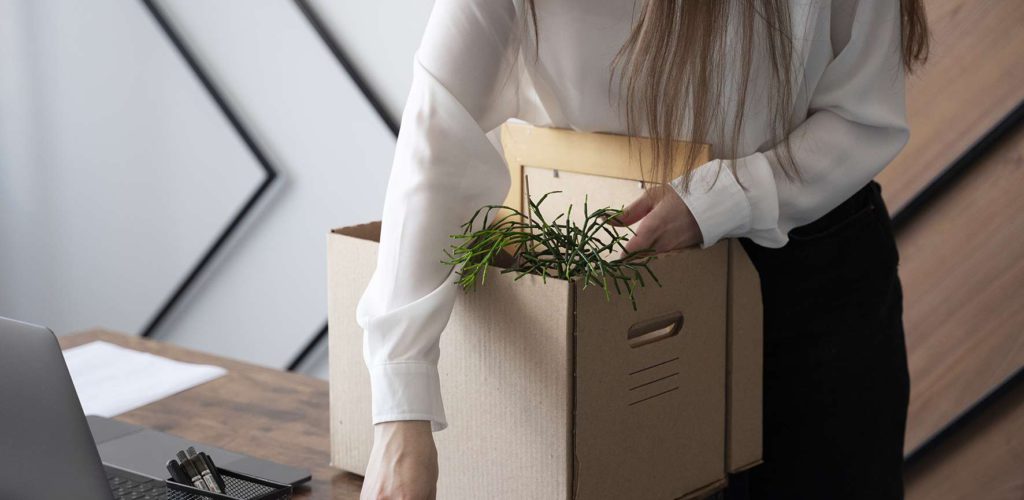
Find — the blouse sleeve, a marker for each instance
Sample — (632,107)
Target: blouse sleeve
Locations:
(856,126)
(445,168)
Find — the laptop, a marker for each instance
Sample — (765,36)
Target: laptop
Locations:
(48,449)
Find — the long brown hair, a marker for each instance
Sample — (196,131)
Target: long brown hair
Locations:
(670,71)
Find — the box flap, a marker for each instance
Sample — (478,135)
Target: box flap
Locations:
(602,154)
(369,231)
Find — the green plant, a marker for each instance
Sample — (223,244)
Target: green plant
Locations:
(559,248)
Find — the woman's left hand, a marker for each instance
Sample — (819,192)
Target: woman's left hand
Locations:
(666,223)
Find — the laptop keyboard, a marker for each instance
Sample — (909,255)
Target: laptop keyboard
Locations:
(127,486)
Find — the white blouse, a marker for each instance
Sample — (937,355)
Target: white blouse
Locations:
(468,78)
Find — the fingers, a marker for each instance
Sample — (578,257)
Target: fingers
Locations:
(645,236)
(635,211)
(666,225)
(662,229)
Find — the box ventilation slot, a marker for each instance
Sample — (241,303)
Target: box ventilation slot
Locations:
(648,398)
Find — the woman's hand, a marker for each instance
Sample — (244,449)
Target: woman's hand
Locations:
(666,223)
(403,462)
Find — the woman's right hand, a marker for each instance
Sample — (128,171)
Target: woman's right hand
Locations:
(403,462)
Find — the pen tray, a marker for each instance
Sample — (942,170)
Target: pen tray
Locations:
(238,486)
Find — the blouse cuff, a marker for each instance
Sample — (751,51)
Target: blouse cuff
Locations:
(722,207)
(716,201)
(407,390)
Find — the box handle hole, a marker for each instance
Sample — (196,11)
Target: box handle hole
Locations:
(655,329)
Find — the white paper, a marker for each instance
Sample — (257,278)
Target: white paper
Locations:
(111,379)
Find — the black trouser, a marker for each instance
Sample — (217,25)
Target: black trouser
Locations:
(835,366)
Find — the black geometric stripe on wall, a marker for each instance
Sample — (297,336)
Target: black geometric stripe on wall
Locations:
(346,63)
(961,165)
(969,415)
(334,47)
(269,172)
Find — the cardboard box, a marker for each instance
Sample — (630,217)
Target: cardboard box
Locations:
(553,392)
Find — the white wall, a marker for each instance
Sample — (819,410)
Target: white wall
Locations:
(380,37)
(117,169)
(335,153)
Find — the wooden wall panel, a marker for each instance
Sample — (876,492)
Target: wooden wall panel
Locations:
(962,265)
(973,80)
(984,460)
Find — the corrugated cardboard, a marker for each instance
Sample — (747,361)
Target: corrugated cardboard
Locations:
(745,362)
(551,391)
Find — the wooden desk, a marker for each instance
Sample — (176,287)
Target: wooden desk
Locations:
(258,411)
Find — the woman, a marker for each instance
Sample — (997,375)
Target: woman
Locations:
(806,95)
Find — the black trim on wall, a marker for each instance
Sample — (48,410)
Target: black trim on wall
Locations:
(346,65)
(269,177)
(308,349)
(942,182)
(964,419)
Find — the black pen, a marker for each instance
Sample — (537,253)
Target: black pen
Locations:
(177,474)
(204,471)
(213,470)
(197,478)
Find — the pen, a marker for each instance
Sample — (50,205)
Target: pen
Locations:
(204,471)
(190,469)
(214,471)
(177,474)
